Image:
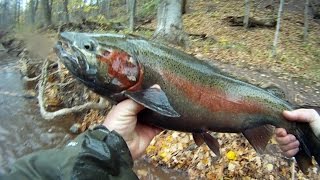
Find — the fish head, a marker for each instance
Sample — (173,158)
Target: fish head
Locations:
(105,69)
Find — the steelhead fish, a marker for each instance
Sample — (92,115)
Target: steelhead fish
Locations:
(194,97)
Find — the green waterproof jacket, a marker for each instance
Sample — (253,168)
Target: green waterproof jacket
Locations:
(95,154)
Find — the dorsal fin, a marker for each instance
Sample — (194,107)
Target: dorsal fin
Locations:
(274,89)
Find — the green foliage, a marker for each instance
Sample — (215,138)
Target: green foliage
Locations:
(99,18)
(149,8)
(88,8)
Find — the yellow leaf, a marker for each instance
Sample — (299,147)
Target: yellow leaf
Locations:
(269,167)
(231,155)
(150,149)
(169,139)
(162,154)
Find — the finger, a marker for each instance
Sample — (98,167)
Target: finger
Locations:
(291,152)
(158,130)
(156,86)
(128,107)
(148,130)
(305,115)
(301,115)
(290,146)
(280,132)
(286,140)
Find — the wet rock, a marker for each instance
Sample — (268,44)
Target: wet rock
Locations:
(75,128)
(2,48)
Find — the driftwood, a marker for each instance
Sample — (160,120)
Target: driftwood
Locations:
(202,36)
(28,79)
(102,104)
(238,21)
(86,25)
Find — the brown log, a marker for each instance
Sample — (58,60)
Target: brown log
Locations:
(253,22)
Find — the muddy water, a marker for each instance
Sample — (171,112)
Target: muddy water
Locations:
(22,130)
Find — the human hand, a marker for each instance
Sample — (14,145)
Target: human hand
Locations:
(123,119)
(288,142)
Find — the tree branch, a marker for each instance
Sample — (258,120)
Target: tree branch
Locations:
(26,78)
(51,115)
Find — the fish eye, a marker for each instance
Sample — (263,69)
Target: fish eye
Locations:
(89,46)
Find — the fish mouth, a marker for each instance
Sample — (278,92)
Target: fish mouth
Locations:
(70,57)
(75,61)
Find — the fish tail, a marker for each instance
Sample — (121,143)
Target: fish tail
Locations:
(309,146)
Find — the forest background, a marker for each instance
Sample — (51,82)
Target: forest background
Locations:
(264,42)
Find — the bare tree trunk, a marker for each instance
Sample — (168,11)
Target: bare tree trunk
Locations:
(306,21)
(5,12)
(276,35)
(47,7)
(132,7)
(184,7)
(246,14)
(128,5)
(33,9)
(16,11)
(105,8)
(170,26)
(66,11)
(108,8)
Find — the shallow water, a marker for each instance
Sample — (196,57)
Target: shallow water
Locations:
(23,130)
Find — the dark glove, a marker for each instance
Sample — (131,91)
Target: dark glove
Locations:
(95,154)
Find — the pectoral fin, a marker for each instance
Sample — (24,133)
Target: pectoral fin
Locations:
(258,137)
(154,99)
(211,142)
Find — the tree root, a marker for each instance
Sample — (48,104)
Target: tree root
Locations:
(27,79)
(102,104)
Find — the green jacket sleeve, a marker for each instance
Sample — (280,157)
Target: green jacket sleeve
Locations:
(95,154)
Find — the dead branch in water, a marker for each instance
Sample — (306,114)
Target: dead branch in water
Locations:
(51,115)
(28,79)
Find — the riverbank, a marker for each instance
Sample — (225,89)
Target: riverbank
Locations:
(240,52)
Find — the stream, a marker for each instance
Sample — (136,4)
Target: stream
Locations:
(23,130)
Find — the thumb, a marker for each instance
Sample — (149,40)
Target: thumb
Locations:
(305,115)
(300,115)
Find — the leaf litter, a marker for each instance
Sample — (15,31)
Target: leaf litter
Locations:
(248,52)
(245,53)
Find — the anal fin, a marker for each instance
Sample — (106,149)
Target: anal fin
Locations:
(211,142)
(198,138)
(258,137)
